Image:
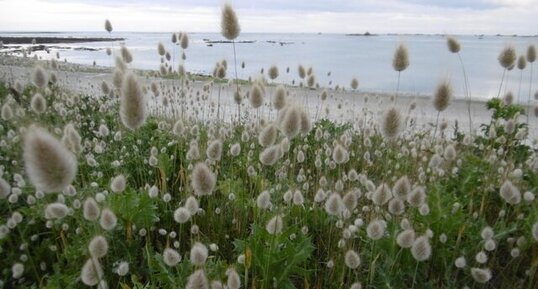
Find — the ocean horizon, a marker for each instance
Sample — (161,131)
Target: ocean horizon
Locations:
(335,58)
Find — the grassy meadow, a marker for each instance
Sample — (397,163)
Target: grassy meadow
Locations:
(99,191)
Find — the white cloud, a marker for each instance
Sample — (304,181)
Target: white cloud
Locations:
(390,16)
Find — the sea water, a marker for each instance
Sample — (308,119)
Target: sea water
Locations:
(335,58)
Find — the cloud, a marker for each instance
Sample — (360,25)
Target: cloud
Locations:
(338,16)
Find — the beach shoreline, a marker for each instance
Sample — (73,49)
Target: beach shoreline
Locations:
(341,105)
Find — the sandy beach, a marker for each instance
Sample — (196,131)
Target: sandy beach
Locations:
(341,105)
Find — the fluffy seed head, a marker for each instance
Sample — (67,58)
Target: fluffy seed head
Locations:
(401,58)
(17,270)
(350,200)
(264,200)
(90,209)
(274,226)
(108,220)
(123,269)
(214,150)
(91,272)
(7,112)
(301,71)
(453,44)
(38,103)
(531,53)
(184,41)
(391,123)
(460,262)
(203,180)
(39,77)
(256,96)
(334,205)
(510,193)
(521,62)
(197,280)
(376,229)
(267,136)
(535,231)
(271,155)
(132,103)
(352,259)
(442,97)
(235,149)
(108,26)
(481,275)
(198,254)
(382,195)
(118,184)
(354,83)
(340,154)
(98,247)
(49,164)
(406,238)
(234,282)
(126,54)
(182,215)
(279,98)
(507,57)
(229,25)
(417,197)
(273,72)
(160,49)
(5,188)
(291,121)
(401,188)
(421,249)
(56,211)
(171,257)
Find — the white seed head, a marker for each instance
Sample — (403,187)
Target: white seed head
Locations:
(352,259)
(108,220)
(421,249)
(203,180)
(274,226)
(49,165)
(98,247)
(171,257)
(91,210)
(198,254)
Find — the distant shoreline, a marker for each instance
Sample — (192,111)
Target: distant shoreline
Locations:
(54,40)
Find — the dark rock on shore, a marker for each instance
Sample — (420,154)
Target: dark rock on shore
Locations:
(53,40)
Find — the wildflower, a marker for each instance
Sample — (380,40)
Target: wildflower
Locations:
(352,259)
(406,238)
(91,272)
(274,226)
(132,103)
(182,215)
(230,28)
(49,165)
(198,254)
(118,184)
(56,211)
(108,220)
(481,275)
(203,180)
(171,257)
(401,58)
(234,282)
(334,205)
(98,247)
(376,229)
(421,249)
(90,209)
(197,280)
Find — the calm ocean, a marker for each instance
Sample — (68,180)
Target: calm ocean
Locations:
(335,58)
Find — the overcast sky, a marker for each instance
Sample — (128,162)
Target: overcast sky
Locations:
(330,16)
